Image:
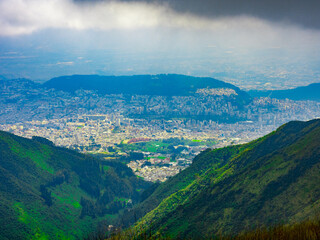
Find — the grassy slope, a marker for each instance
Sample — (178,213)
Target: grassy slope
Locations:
(208,159)
(306,230)
(271,180)
(27,164)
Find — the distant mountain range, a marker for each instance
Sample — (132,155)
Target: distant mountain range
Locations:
(48,192)
(161,85)
(272,180)
(310,92)
(20,82)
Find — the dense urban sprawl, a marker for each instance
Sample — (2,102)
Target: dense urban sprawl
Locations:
(103,124)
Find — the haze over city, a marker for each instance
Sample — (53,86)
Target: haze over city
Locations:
(265,45)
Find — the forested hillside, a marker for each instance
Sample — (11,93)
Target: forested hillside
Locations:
(48,192)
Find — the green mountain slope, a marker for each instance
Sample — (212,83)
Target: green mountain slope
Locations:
(161,85)
(272,180)
(151,198)
(48,192)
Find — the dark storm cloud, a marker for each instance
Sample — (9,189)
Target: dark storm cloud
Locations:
(226,18)
(297,11)
(301,12)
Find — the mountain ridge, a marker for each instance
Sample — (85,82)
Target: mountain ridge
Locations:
(310,92)
(271,180)
(162,84)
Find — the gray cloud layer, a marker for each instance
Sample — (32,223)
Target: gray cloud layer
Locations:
(27,16)
(301,12)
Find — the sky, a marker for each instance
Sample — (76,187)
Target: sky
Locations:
(264,44)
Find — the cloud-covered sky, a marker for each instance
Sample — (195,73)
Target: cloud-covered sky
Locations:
(192,35)
(305,13)
(26,16)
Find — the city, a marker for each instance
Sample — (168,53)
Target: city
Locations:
(110,125)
